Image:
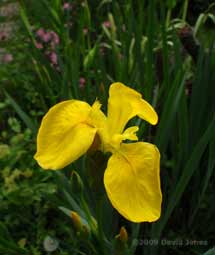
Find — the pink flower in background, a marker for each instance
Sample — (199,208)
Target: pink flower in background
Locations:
(43,35)
(53,58)
(66,6)
(48,40)
(107,24)
(38,45)
(54,38)
(40,32)
(82,82)
(85,31)
(46,37)
(7,58)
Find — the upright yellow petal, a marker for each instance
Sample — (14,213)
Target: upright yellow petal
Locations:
(66,133)
(116,139)
(132,182)
(124,103)
(98,119)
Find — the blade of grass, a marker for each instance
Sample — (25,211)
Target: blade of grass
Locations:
(210,252)
(26,23)
(206,181)
(188,171)
(151,29)
(170,109)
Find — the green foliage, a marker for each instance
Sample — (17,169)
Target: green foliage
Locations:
(210,252)
(146,45)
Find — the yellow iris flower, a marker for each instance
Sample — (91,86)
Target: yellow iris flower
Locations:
(132,177)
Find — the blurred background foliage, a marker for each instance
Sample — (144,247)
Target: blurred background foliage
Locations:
(53,50)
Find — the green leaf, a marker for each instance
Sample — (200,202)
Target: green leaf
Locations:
(171,3)
(170,109)
(4,231)
(187,173)
(90,57)
(210,252)
(200,21)
(27,23)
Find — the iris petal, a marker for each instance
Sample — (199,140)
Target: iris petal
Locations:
(124,103)
(65,134)
(132,182)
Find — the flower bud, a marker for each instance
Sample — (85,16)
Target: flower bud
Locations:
(81,225)
(122,236)
(76,219)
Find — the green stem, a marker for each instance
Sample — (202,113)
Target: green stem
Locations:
(102,238)
(168,17)
(91,220)
(134,236)
(184,15)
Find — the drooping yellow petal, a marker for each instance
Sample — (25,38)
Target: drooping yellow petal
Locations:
(124,103)
(132,182)
(65,134)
